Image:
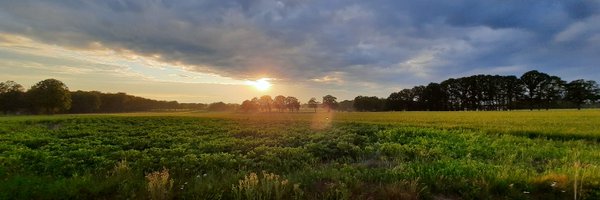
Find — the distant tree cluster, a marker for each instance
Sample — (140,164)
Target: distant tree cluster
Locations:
(221,107)
(53,96)
(533,90)
(267,104)
(281,103)
(98,102)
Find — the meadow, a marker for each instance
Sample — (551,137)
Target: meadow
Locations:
(389,155)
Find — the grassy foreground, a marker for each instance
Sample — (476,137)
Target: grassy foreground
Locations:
(402,155)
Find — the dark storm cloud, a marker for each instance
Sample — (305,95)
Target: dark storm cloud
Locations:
(385,42)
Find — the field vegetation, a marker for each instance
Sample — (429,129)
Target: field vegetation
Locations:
(397,155)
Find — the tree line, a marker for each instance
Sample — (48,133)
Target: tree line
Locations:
(533,90)
(52,96)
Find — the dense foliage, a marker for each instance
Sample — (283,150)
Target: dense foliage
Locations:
(302,156)
(52,96)
(533,90)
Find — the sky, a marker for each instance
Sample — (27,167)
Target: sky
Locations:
(208,51)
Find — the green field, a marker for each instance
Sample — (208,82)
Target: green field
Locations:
(401,155)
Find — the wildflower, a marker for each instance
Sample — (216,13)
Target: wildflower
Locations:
(553,184)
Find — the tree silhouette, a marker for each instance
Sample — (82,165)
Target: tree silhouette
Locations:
(552,90)
(534,83)
(248,106)
(580,91)
(279,102)
(313,103)
(292,103)
(363,103)
(50,96)
(330,102)
(85,102)
(11,96)
(265,103)
(434,97)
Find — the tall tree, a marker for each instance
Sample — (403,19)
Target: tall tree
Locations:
(329,102)
(417,100)
(50,96)
(512,91)
(313,103)
(292,104)
(266,103)
(552,90)
(453,92)
(534,82)
(394,102)
(581,91)
(434,97)
(11,97)
(279,103)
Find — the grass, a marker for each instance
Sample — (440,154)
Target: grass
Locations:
(400,155)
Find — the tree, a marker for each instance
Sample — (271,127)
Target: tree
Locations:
(249,106)
(11,96)
(50,96)
(330,102)
(534,82)
(265,103)
(363,103)
(416,98)
(454,93)
(85,102)
(219,107)
(552,90)
(512,91)
(292,104)
(279,103)
(434,97)
(346,105)
(394,102)
(313,103)
(581,91)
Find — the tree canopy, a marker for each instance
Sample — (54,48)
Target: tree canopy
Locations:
(581,91)
(329,102)
(50,96)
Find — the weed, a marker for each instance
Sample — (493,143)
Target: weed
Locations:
(160,184)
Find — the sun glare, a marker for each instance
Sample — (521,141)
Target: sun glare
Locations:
(262,84)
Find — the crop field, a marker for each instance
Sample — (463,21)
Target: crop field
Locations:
(396,155)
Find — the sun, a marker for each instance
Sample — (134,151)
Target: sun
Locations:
(262,84)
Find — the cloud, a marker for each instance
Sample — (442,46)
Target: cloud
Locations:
(366,44)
